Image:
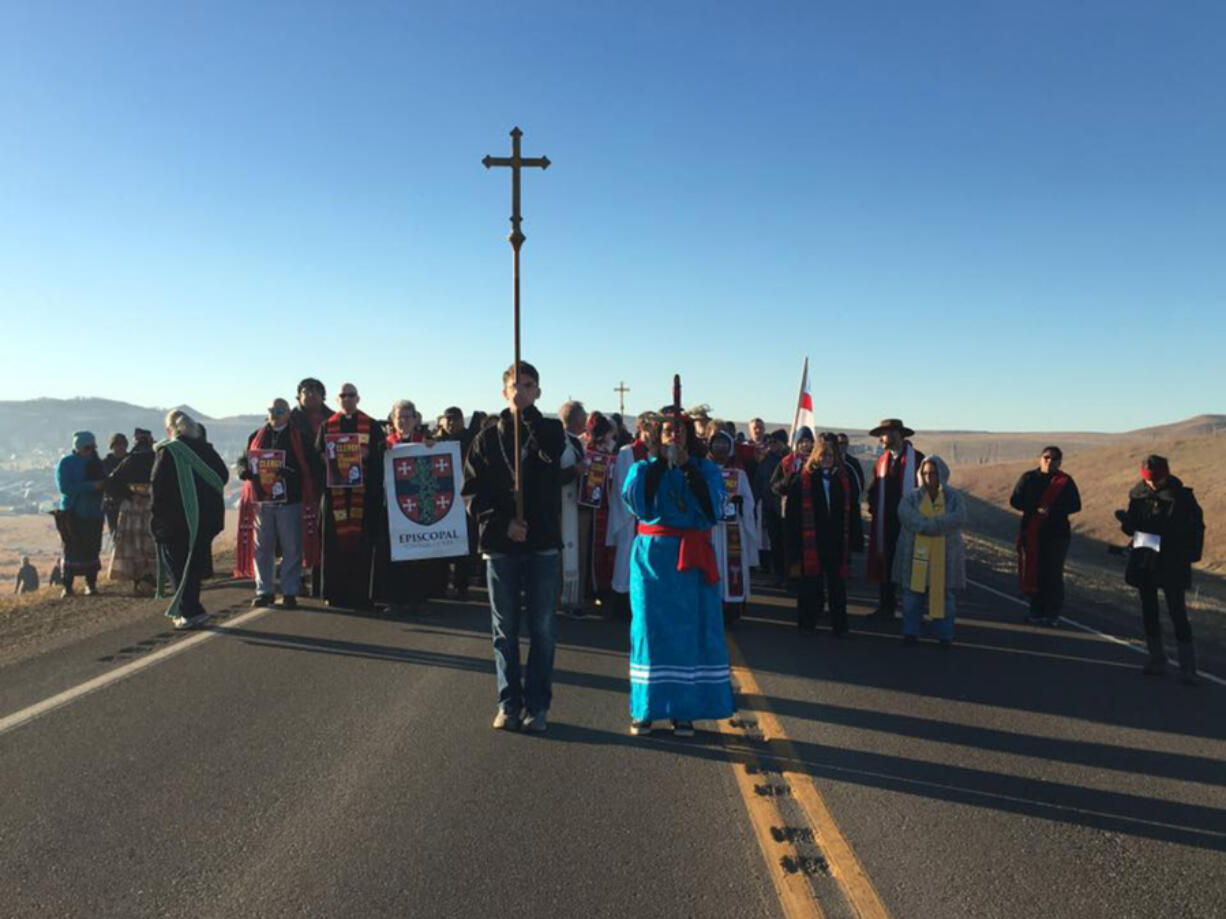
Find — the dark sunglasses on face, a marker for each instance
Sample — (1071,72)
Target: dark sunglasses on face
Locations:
(277,410)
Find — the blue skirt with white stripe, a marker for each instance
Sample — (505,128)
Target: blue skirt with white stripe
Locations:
(678,657)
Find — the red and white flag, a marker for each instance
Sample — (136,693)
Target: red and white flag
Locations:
(804,405)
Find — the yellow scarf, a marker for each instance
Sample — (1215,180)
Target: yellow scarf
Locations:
(928,563)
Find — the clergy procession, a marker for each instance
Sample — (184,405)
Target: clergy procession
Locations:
(667,527)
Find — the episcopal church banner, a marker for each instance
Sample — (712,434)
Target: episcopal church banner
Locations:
(426,517)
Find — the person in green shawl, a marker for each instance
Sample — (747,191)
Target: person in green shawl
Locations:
(188,478)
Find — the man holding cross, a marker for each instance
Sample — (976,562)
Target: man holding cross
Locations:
(522,544)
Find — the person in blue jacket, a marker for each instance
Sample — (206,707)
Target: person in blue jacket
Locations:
(80,476)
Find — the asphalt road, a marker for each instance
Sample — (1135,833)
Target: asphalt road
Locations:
(313,763)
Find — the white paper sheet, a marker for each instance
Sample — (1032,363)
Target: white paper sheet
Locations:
(1147,541)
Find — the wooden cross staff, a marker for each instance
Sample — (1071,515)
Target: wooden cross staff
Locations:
(516,239)
(621,389)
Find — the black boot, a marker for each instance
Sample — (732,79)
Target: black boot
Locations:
(1156,665)
(1187,663)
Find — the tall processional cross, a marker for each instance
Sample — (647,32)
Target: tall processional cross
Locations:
(621,389)
(516,161)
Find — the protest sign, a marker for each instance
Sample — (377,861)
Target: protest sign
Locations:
(265,467)
(344,457)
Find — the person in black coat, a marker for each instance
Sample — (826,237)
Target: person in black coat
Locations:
(1168,531)
(768,501)
(524,551)
(821,528)
(187,560)
(1046,496)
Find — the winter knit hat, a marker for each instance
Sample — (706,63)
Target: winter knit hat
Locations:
(83,439)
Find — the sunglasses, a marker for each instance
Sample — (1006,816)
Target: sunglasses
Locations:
(349,395)
(277,410)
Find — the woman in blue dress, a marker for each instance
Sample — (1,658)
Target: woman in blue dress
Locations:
(678,657)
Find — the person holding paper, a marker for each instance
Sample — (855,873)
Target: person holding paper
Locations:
(736,535)
(930,558)
(279,470)
(1046,497)
(350,445)
(1167,527)
(405,586)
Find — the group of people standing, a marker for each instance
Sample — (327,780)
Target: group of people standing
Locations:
(662,526)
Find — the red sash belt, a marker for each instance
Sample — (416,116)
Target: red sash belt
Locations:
(697,553)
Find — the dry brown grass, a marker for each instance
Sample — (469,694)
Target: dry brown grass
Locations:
(1104,474)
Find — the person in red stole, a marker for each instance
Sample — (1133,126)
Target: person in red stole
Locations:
(309,416)
(271,521)
(895,474)
(821,528)
(404,587)
(1046,497)
(350,444)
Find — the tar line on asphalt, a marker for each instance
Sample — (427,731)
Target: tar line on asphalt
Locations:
(30,712)
(814,868)
(1093,631)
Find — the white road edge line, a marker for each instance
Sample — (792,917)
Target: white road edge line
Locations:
(1093,631)
(29,713)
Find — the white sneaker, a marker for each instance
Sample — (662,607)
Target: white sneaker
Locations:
(182,623)
(640,728)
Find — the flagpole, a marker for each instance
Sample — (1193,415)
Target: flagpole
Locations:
(804,375)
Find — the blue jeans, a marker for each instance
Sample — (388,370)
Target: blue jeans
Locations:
(524,585)
(913,614)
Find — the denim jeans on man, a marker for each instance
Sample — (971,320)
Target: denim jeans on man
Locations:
(278,524)
(913,614)
(524,585)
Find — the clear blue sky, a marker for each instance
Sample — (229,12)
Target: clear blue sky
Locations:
(979,214)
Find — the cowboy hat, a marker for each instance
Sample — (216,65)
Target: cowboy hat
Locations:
(886,424)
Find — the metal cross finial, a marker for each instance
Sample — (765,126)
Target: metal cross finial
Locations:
(621,389)
(516,161)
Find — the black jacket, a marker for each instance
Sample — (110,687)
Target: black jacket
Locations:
(828,518)
(1172,513)
(169,523)
(1027,494)
(489,482)
(134,469)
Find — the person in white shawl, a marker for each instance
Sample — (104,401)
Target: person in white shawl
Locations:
(736,535)
(623,525)
(570,598)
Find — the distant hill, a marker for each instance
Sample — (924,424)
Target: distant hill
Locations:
(41,429)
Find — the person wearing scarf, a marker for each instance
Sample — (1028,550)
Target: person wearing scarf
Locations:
(187,512)
(1046,497)
(821,527)
(736,534)
(351,509)
(267,522)
(1167,527)
(80,478)
(404,587)
(679,668)
(930,558)
(895,475)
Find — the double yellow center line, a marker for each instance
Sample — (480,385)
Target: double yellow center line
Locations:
(805,851)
